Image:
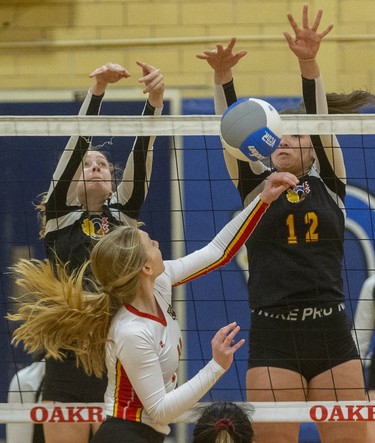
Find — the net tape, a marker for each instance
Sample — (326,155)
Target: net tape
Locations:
(301,412)
(177,125)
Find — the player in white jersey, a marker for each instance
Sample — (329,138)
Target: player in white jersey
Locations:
(129,322)
(364,327)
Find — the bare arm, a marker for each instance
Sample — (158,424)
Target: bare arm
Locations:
(221,59)
(306,42)
(305,45)
(108,73)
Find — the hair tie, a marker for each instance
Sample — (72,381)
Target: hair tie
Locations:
(225,424)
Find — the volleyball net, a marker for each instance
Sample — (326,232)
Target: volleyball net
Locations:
(298,412)
(190,198)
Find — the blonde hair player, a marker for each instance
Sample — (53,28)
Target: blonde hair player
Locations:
(295,284)
(129,321)
(81,206)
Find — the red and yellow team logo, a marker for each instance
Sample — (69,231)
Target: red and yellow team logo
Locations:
(96,227)
(298,194)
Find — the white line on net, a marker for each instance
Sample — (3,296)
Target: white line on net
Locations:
(177,125)
(302,412)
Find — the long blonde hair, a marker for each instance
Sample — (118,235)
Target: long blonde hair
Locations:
(58,314)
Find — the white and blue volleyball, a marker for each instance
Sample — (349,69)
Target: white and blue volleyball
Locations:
(251,129)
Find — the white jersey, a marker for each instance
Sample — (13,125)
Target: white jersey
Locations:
(24,388)
(364,319)
(143,351)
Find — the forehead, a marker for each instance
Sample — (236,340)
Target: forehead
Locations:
(96,155)
(145,238)
(143,235)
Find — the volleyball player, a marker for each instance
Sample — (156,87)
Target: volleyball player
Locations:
(129,321)
(300,341)
(364,326)
(224,422)
(26,387)
(81,207)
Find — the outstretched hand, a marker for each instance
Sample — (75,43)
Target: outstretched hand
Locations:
(223,345)
(222,60)
(276,184)
(153,80)
(307,39)
(108,73)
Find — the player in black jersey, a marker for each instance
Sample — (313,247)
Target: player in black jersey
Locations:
(80,207)
(300,341)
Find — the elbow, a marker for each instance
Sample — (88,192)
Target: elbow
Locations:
(159,416)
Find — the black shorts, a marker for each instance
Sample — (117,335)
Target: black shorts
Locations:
(117,430)
(66,383)
(307,340)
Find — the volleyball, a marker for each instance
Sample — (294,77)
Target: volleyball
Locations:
(251,129)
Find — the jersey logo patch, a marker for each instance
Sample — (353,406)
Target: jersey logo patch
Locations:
(96,227)
(299,193)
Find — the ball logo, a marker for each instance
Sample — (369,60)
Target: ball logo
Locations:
(251,129)
(253,152)
(269,139)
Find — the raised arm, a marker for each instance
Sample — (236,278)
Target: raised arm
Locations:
(230,239)
(69,167)
(133,189)
(222,59)
(305,45)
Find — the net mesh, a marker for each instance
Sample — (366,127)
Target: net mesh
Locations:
(191,197)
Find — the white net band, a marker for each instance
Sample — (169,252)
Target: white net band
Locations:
(177,125)
(302,412)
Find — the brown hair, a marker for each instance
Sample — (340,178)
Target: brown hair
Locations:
(340,103)
(224,422)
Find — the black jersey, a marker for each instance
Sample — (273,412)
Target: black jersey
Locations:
(295,253)
(70,232)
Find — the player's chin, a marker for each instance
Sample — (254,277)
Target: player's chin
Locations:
(283,166)
(99,187)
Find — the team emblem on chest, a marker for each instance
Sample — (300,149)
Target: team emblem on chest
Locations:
(299,193)
(95,227)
